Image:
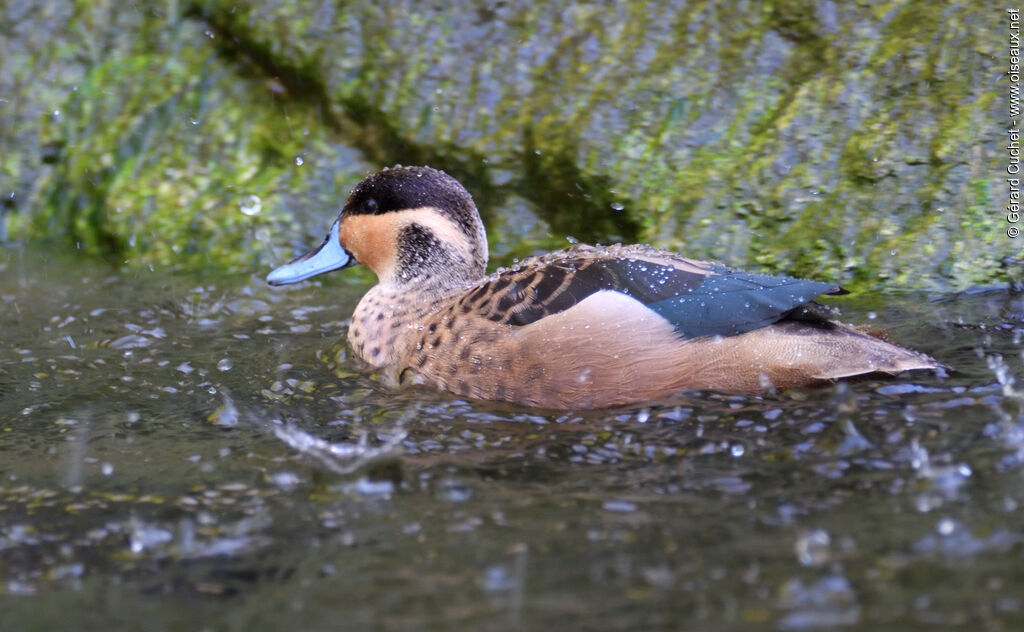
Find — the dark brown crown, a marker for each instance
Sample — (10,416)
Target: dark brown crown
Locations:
(402,188)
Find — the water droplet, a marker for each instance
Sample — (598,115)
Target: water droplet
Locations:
(250,205)
(497,579)
(918,456)
(455,492)
(946,526)
(812,547)
(737,450)
(619,506)
(144,536)
(107,469)
(299,161)
(583,376)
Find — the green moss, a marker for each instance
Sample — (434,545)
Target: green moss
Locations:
(832,141)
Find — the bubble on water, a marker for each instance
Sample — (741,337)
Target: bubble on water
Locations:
(812,547)
(455,492)
(378,488)
(107,469)
(224,365)
(737,450)
(226,415)
(618,207)
(946,526)
(144,536)
(299,161)
(250,205)
(830,603)
(68,571)
(16,587)
(285,480)
(945,481)
(918,456)
(619,506)
(498,579)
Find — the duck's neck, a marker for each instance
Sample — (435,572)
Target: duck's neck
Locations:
(390,316)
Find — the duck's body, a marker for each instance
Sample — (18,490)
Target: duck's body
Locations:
(581,328)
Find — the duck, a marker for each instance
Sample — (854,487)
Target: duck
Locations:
(581,328)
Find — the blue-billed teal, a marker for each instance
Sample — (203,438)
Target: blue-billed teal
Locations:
(585,327)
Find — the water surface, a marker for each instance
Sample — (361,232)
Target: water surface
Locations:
(199,453)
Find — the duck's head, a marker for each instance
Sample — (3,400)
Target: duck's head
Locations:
(410,225)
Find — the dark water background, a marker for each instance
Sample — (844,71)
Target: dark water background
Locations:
(191,453)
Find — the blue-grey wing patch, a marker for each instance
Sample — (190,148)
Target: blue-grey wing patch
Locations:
(736,302)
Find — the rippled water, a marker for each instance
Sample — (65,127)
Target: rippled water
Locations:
(191,452)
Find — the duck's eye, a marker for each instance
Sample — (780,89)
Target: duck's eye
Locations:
(371,205)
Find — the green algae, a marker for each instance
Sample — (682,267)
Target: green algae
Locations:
(852,143)
(156,172)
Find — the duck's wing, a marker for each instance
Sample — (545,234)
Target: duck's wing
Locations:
(699,298)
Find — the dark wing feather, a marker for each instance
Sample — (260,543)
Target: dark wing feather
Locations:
(698,301)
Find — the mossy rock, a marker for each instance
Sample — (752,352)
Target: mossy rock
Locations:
(852,143)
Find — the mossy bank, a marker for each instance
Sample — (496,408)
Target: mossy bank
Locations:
(854,143)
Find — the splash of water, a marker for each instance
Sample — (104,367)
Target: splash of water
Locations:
(345,458)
